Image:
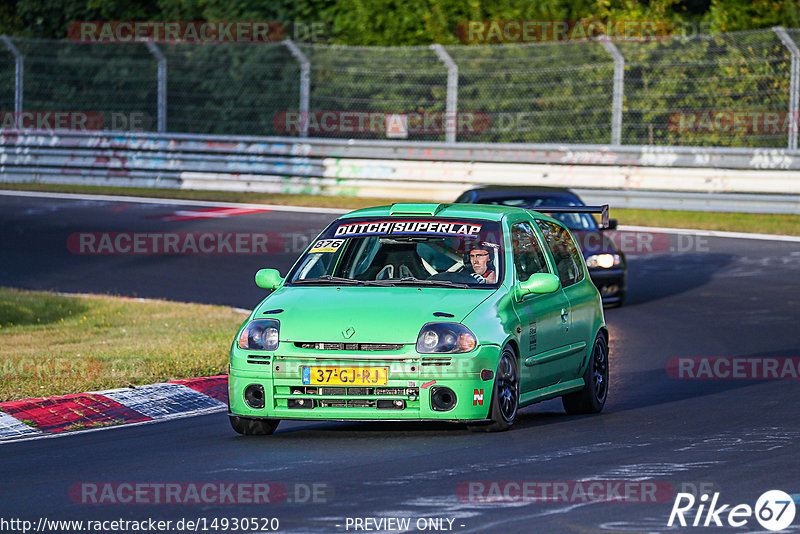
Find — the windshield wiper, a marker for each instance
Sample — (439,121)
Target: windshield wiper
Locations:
(327,278)
(340,280)
(412,280)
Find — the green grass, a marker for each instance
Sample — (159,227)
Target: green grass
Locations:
(732,222)
(756,223)
(52,344)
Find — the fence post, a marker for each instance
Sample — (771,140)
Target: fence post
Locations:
(794,81)
(18,62)
(451,121)
(619,86)
(305,84)
(162,85)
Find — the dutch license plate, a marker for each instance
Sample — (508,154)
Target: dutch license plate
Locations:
(345,376)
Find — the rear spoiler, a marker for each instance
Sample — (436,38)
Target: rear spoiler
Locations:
(602,210)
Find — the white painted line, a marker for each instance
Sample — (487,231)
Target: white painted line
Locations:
(170,202)
(712,233)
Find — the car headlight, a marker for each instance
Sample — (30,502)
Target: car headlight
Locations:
(449,338)
(605,261)
(261,334)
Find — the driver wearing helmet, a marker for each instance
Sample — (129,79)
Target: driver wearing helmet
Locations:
(480,259)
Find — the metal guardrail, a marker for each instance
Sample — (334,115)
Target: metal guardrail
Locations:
(630,176)
(146,143)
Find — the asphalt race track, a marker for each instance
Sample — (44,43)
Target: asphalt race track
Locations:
(714,297)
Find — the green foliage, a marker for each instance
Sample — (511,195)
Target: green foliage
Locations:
(735,15)
(24,308)
(395,22)
(530,92)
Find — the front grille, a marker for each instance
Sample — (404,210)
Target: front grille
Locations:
(380,346)
(436,361)
(260,359)
(325,391)
(382,404)
(318,397)
(332,391)
(371,347)
(391,391)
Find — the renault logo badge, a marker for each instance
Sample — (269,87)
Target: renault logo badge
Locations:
(348,333)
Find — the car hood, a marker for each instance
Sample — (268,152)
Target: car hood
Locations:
(376,314)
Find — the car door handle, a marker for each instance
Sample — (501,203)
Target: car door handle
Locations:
(564,315)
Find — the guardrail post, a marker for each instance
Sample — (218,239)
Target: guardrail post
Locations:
(162,85)
(451,121)
(18,62)
(619,86)
(794,81)
(305,84)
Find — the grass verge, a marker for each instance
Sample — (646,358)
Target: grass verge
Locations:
(731,222)
(753,223)
(53,344)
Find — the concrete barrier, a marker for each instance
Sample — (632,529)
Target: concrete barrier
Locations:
(674,177)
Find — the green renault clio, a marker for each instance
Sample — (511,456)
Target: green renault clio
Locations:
(448,312)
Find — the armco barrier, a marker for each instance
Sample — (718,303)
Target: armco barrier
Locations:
(721,179)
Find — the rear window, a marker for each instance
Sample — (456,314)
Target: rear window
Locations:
(573,221)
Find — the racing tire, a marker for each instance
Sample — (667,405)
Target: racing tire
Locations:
(592,397)
(253,427)
(505,395)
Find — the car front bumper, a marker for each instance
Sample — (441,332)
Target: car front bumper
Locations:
(412,380)
(611,283)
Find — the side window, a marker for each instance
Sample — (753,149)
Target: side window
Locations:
(528,256)
(565,253)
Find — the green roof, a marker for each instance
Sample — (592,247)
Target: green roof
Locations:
(473,211)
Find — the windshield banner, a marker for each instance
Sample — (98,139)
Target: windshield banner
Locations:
(408,227)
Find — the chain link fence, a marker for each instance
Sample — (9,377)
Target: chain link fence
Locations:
(726,90)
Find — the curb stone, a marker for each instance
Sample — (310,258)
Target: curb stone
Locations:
(37,417)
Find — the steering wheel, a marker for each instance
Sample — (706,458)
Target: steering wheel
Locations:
(459,277)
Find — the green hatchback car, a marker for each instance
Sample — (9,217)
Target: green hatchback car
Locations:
(447,312)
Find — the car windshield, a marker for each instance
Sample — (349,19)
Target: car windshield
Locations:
(463,253)
(573,221)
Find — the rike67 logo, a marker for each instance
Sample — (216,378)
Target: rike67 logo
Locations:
(774,510)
